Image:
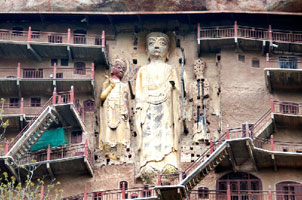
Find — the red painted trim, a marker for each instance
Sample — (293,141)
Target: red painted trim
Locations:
(85,194)
(103,38)
(235,29)
(270,196)
(6,147)
(228,134)
(272,104)
(267,60)
(158,178)
(198,31)
(54,96)
(272,143)
(123,191)
(228,191)
(48,152)
(29,34)
(55,70)
(92,71)
(68,35)
(270,32)
(42,192)
(72,95)
(86,148)
(246,129)
(19,70)
(212,146)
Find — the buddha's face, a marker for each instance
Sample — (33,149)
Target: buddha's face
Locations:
(157,48)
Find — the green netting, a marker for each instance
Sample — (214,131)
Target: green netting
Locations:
(54,137)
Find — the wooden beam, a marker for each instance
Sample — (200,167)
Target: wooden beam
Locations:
(232,159)
(69,52)
(50,171)
(37,56)
(60,118)
(251,155)
(112,24)
(274,163)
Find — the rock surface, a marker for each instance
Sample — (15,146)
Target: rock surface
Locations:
(150,5)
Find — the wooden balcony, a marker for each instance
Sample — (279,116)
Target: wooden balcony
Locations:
(37,44)
(288,114)
(20,113)
(212,38)
(60,110)
(146,192)
(283,75)
(42,79)
(66,159)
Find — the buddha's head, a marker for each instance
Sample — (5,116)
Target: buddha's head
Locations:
(157,46)
(118,68)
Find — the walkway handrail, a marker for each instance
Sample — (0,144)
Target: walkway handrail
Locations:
(48,103)
(57,98)
(256,33)
(261,122)
(54,37)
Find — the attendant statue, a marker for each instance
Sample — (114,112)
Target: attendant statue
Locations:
(158,117)
(198,95)
(115,128)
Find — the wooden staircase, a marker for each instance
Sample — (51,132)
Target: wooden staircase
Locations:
(32,132)
(206,163)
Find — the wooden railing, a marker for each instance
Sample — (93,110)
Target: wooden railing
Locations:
(237,31)
(284,64)
(287,108)
(65,151)
(118,194)
(260,124)
(53,37)
(57,98)
(54,72)
(244,194)
(30,123)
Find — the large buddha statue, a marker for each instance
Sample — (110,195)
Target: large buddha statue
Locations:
(158,111)
(115,128)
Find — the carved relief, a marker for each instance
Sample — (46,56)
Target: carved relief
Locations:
(199,92)
(115,128)
(157,112)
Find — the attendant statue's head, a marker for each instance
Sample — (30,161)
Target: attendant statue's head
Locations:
(199,68)
(118,68)
(157,46)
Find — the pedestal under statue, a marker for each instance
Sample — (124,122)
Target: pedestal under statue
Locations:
(158,112)
(115,128)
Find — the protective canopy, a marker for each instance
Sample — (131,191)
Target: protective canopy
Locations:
(54,137)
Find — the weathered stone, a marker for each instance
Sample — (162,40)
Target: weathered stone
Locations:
(158,111)
(151,5)
(115,127)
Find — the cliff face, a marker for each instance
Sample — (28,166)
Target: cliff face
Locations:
(150,5)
